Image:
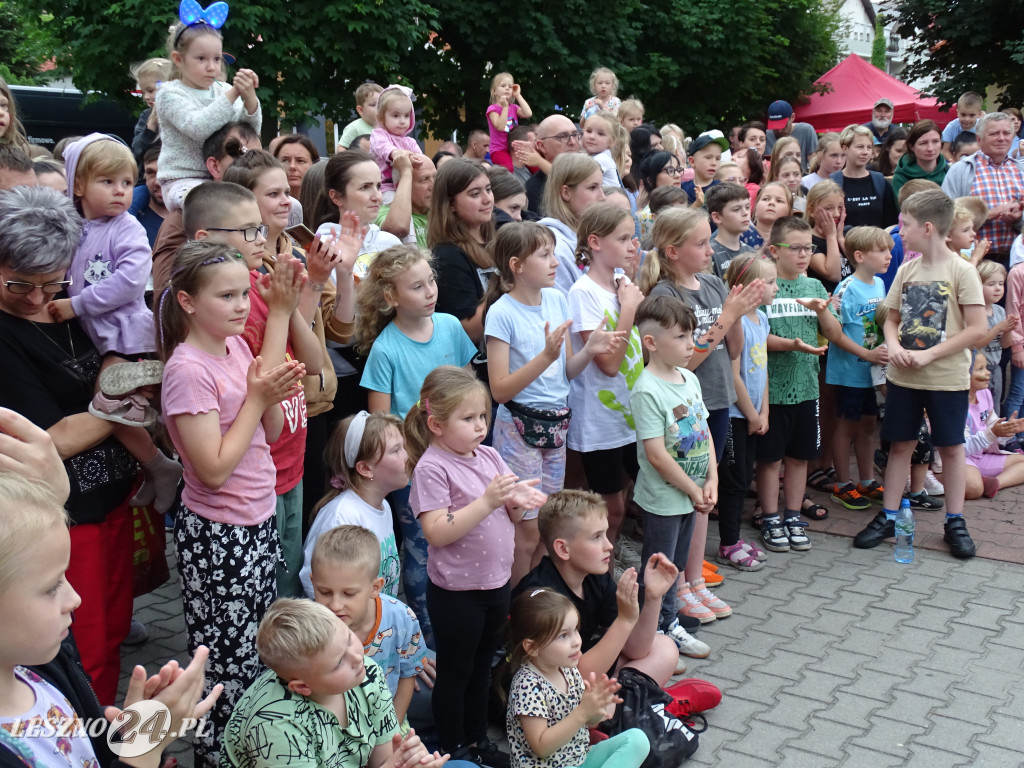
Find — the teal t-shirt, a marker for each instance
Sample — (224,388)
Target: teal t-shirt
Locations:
(793,376)
(854,302)
(676,413)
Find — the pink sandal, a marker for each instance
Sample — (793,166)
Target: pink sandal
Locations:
(739,557)
(132,411)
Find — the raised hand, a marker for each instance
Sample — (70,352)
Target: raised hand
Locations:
(743,299)
(603,340)
(660,574)
(554,341)
(598,697)
(281,288)
(627,595)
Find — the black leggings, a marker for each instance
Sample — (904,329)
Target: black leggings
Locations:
(735,472)
(467,630)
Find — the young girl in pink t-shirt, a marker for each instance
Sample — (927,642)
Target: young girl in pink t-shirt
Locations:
(219,404)
(507,106)
(466,499)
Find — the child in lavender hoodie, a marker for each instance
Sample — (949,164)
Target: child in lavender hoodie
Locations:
(395,121)
(108,277)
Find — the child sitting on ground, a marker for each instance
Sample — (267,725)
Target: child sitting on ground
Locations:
(616,633)
(988,467)
(345,564)
(319,698)
(550,703)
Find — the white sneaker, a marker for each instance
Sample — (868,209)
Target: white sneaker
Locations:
(687,644)
(932,485)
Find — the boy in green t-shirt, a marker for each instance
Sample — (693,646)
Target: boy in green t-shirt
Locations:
(796,316)
(320,701)
(675,451)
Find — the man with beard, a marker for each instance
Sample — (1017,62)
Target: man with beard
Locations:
(881,120)
(152,213)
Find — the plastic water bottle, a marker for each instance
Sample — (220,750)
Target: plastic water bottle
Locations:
(904,551)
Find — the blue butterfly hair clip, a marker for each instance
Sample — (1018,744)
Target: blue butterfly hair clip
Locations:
(191,13)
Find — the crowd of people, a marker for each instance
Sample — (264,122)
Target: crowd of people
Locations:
(398,409)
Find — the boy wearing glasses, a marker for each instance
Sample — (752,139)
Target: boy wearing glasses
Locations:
(275,330)
(796,316)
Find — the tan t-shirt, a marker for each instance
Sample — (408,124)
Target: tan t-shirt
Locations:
(930,299)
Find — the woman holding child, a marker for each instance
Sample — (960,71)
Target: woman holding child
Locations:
(50,374)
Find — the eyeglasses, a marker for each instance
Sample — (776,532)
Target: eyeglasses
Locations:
(673,170)
(564,138)
(249,233)
(20,288)
(799,250)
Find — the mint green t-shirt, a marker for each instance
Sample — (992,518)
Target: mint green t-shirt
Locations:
(793,376)
(356,128)
(418,235)
(676,413)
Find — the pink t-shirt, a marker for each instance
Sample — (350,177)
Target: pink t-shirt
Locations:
(482,559)
(289,450)
(198,382)
(499,136)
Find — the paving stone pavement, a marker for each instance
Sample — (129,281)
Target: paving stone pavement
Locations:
(833,657)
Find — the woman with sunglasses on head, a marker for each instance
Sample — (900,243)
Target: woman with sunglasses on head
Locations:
(50,370)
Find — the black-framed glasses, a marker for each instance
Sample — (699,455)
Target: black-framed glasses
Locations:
(249,233)
(21,288)
(564,138)
(799,250)
(673,170)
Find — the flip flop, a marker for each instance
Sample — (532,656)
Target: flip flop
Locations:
(813,512)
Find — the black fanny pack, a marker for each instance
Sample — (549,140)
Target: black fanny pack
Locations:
(541,429)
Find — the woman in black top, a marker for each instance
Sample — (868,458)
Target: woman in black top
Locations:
(461,226)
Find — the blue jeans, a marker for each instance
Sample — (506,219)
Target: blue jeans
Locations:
(414,561)
(1015,397)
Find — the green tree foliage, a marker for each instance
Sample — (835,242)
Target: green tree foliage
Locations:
(878,44)
(962,46)
(24,45)
(698,63)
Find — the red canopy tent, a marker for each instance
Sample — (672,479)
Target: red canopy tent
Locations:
(855,86)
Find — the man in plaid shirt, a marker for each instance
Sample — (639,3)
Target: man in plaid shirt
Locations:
(995,177)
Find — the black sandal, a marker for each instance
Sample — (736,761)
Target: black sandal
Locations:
(822,480)
(813,512)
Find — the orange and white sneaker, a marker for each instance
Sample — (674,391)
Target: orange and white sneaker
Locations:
(714,604)
(692,605)
(711,577)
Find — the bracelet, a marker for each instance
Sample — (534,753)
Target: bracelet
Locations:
(315,287)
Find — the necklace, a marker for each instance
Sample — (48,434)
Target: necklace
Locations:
(50,339)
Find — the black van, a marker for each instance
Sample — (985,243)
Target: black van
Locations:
(50,114)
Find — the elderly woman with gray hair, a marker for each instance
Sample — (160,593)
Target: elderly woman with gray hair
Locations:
(49,374)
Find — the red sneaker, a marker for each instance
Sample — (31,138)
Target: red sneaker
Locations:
(692,695)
